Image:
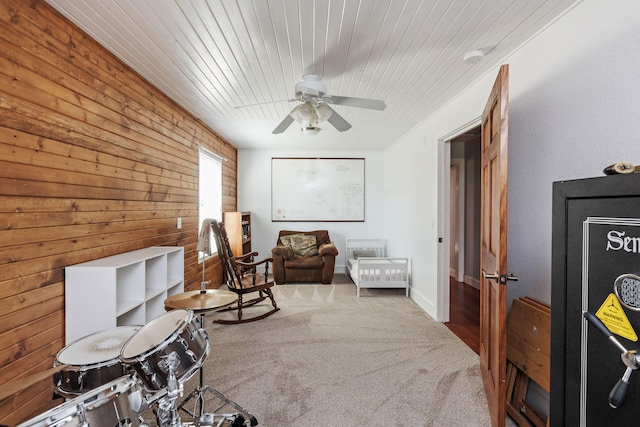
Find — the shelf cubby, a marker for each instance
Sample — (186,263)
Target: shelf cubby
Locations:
(121,290)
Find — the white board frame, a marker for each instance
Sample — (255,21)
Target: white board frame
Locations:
(286,192)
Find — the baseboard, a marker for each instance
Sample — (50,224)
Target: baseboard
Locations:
(424,303)
(471,281)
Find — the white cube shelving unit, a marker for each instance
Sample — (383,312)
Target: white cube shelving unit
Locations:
(124,289)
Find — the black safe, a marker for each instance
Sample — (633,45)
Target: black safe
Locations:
(595,260)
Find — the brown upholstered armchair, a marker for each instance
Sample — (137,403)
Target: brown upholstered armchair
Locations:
(303,256)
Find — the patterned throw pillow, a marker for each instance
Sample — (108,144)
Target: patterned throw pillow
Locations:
(301,244)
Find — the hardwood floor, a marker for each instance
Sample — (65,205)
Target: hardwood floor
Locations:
(464,315)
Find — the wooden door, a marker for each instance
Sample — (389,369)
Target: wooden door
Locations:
(493,242)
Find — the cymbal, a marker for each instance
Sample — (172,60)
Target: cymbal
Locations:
(210,300)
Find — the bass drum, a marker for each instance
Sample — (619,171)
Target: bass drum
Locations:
(176,332)
(113,404)
(91,361)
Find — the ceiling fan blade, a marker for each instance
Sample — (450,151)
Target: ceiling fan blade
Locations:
(371,104)
(283,124)
(338,121)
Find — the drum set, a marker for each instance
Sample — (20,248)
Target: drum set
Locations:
(128,375)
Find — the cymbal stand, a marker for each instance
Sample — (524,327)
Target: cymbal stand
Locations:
(198,413)
(199,392)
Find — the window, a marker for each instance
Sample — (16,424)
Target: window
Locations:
(210,189)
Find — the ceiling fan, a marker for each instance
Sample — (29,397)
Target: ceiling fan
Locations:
(315,107)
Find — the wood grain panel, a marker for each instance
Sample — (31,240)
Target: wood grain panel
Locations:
(94,161)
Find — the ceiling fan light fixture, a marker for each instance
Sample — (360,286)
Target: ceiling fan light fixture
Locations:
(304,113)
(324,112)
(310,130)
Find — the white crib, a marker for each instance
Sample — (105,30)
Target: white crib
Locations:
(369,267)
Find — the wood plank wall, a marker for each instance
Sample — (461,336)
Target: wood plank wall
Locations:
(94,161)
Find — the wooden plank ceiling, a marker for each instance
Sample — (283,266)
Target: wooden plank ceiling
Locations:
(212,56)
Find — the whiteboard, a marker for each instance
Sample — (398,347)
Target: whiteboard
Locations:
(317,189)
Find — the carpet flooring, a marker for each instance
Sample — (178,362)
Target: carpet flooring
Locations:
(329,358)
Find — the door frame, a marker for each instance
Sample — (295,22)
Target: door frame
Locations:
(461,194)
(444,220)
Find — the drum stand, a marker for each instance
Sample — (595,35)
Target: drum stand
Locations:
(167,412)
(198,413)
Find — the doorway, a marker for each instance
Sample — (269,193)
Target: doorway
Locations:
(464,236)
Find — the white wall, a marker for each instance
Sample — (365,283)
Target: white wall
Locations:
(254,194)
(574,108)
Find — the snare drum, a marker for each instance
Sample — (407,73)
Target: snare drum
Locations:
(92,361)
(176,331)
(113,404)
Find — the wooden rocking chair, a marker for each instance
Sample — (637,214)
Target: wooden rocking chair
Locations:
(242,277)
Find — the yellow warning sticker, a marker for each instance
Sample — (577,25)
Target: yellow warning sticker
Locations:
(614,318)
